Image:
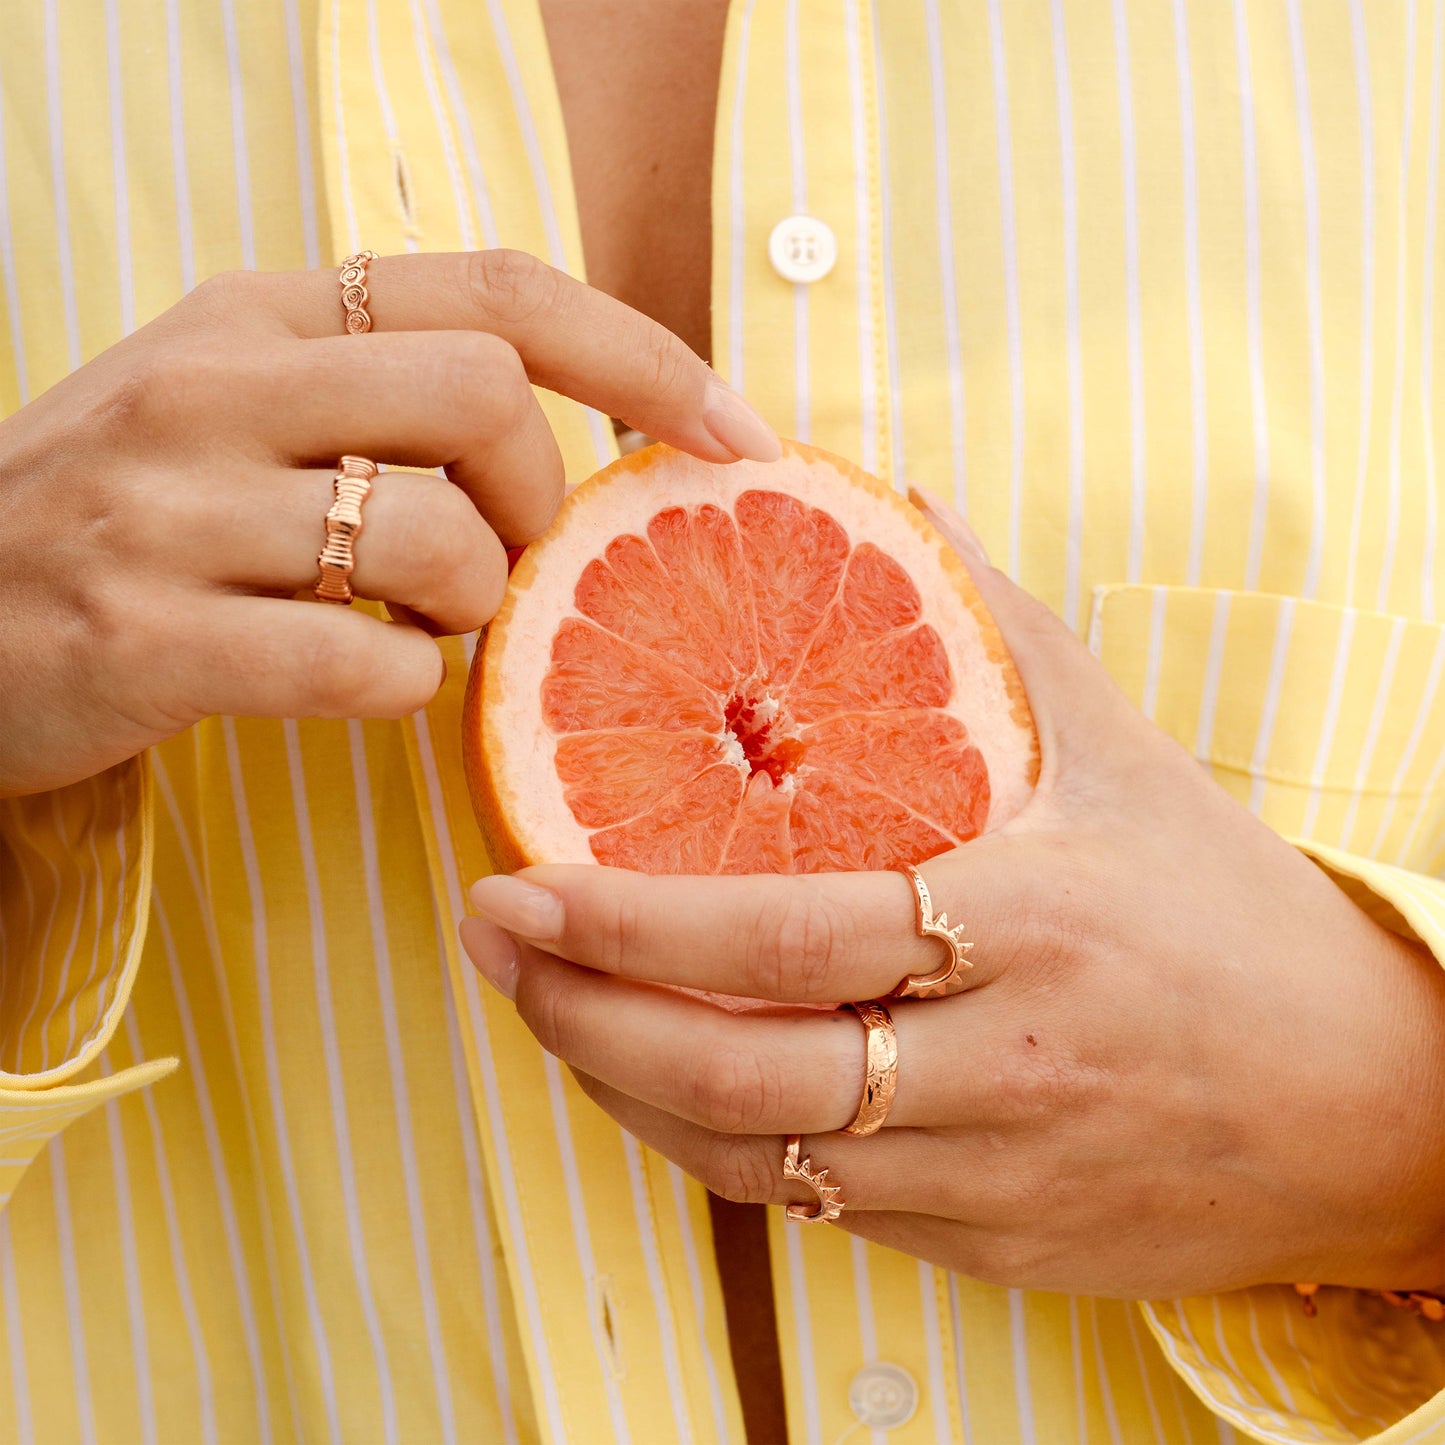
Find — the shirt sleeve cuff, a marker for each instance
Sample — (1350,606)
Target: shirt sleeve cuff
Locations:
(75,880)
(1360,1370)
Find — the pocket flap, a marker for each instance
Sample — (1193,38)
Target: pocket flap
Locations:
(1280,688)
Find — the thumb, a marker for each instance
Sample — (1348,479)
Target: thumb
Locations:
(949,521)
(1068,689)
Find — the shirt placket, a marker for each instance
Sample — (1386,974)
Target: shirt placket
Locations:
(801,323)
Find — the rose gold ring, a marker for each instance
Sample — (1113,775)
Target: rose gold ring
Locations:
(352,486)
(944,980)
(354,294)
(880,1068)
(830,1205)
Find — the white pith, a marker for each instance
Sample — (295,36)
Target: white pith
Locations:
(522,749)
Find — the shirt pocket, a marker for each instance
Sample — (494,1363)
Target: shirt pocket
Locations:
(1328,722)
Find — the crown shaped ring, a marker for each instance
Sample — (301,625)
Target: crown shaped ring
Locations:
(946,979)
(830,1203)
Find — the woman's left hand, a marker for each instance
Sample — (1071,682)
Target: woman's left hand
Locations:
(1186,1062)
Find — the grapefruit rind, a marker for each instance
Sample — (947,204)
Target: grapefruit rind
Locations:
(509,751)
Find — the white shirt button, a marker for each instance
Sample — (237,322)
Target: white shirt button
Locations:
(802,248)
(883,1396)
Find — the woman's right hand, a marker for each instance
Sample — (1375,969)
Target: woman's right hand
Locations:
(161,506)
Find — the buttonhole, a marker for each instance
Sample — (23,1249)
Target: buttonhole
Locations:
(606,1316)
(403,186)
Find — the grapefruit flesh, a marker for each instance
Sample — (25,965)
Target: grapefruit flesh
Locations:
(756,668)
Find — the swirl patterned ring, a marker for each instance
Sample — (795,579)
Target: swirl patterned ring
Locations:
(354,294)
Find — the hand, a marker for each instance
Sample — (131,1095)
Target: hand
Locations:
(160,507)
(1186,1062)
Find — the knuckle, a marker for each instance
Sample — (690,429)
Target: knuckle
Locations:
(138,519)
(666,363)
(166,396)
(108,515)
(736,1091)
(621,933)
(735,1169)
(509,399)
(447,536)
(224,295)
(145,397)
(549,1013)
(1054,920)
(795,946)
(433,533)
(120,634)
(510,285)
(485,369)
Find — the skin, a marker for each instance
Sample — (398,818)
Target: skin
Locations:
(1127,1153)
(1145,1129)
(1189,1062)
(640,135)
(1156,1100)
(161,506)
(145,591)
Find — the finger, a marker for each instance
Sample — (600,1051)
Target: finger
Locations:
(572,338)
(998,1254)
(738,1073)
(956,532)
(897,1169)
(454,399)
(265,657)
(962,1061)
(422,544)
(817,938)
(973,1196)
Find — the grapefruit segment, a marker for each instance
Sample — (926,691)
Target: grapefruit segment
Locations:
(919,756)
(628,592)
(608,777)
(598,680)
(849,671)
(838,823)
(701,552)
(751,668)
(877,593)
(795,555)
(761,840)
(681,833)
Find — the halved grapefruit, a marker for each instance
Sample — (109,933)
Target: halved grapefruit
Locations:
(755,668)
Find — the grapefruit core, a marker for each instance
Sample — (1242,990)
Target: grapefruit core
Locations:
(758,668)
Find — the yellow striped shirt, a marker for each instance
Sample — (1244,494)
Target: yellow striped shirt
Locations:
(1148,287)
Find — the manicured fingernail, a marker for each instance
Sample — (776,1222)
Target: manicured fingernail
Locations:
(733,424)
(493,953)
(519,906)
(948,521)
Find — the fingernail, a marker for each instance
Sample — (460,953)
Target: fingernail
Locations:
(948,521)
(733,424)
(519,906)
(493,953)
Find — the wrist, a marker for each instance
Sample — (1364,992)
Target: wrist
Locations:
(1396,1153)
